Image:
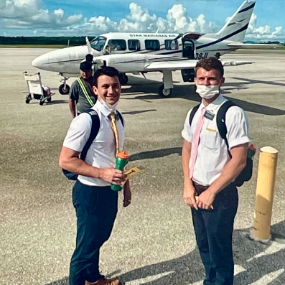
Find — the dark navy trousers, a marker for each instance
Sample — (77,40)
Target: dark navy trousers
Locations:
(96,210)
(213,230)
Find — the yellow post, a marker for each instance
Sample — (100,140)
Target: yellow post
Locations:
(264,194)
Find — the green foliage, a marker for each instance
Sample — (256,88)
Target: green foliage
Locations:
(72,41)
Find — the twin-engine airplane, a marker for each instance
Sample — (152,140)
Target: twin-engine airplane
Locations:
(150,52)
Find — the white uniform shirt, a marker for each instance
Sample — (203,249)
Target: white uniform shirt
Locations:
(101,153)
(212,151)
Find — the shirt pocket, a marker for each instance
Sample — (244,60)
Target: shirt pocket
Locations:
(211,139)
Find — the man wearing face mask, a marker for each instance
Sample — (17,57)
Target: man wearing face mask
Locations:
(93,199)
(209,171)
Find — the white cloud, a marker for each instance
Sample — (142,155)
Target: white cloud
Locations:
(263,33)
(30,15)
(24,14)
(59,13)
(138,20)
(177,20)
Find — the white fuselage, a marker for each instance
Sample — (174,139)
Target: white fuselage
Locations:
(152,47)
(133,52)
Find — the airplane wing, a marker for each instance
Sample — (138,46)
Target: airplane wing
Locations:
(170,65)
(185,64)
(238,45)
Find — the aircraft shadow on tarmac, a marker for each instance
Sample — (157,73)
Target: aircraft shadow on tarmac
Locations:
(140,86)
(253,81)
(155,153)
(248,255)
(138,112)
(52,102)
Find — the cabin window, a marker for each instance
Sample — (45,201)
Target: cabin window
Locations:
(152,44)
(117,45)
(134,45)
(171,44)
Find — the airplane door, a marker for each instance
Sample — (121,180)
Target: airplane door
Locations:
(188,49)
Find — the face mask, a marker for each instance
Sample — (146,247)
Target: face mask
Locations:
(109,107)
(208,91)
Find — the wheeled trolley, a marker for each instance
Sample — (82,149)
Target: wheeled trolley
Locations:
(36,89)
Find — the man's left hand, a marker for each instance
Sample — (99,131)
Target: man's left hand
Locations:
(206,199)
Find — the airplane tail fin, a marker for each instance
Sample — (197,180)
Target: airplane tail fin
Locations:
(236,26)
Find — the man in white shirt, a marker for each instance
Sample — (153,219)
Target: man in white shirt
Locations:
(94,200)
(209,171)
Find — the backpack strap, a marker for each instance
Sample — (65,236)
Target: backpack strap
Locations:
(192,113)
(95,126)
(83,88)
(121,118)
(221,122)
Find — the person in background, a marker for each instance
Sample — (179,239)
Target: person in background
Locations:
(82,97)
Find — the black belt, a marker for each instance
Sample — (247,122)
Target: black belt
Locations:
(199,188)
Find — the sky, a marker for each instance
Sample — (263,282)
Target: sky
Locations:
(95,17)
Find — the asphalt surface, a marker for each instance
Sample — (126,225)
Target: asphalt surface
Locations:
(153,240)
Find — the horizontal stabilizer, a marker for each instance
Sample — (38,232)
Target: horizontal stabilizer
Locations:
(235,62)
(254,46)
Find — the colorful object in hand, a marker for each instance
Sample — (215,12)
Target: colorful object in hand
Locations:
(121,161)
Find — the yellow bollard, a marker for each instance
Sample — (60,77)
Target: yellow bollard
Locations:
(264,194)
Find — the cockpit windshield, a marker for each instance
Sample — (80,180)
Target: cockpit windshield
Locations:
(98,43)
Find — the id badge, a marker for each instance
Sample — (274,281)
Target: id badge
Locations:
(209,115)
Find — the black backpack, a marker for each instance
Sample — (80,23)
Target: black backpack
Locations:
(94,131)
(246,173)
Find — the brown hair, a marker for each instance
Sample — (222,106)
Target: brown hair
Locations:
(105,70)
(210,63)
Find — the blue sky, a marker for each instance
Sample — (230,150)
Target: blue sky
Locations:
(91,17)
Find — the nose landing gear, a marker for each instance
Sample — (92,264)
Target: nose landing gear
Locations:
(64,88)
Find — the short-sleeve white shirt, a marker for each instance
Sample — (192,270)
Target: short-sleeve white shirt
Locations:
(212,150)
(101,153)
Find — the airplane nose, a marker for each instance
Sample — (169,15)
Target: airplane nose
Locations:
(40,61)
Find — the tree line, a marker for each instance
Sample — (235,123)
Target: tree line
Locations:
(71,41)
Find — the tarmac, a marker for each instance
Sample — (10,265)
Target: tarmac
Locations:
(153,241)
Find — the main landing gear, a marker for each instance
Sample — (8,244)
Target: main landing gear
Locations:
(165,90)
(123,78)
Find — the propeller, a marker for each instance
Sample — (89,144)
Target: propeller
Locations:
(88,45)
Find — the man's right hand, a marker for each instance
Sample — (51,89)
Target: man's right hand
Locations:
(112,175)
(189,195)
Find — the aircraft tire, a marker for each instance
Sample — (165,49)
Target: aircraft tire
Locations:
(62,90)
(123,78)
(164,93)
(28,98)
